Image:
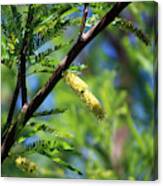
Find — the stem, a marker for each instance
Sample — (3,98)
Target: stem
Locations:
(23,54)
(21,81)
(85,13)
(11,109)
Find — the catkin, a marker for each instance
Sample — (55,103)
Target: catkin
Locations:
(81,89)
(77,84)
(25,164)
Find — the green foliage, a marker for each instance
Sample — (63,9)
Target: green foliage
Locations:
(64,138)
(126,25)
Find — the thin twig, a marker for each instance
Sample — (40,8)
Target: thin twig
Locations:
(16,91)
(57,74)
(13,102)
(21,82)
(11,109)
(23,54)
(84,17)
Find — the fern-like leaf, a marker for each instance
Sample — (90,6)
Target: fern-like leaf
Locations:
(126,25)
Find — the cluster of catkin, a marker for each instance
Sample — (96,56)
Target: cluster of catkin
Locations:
(25,164)
(82,89)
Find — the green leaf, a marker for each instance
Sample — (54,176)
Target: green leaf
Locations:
(126,25)
(39,68)
(49,112)
(67,165)
(78,68)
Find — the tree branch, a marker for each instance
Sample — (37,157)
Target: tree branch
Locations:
(57,74)
(21,77)
(13,102)
(23,54)
(11,109)
(84,17)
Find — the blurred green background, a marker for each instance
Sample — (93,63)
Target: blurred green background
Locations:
(120,70)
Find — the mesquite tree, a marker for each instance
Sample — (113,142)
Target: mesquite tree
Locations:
(47,41)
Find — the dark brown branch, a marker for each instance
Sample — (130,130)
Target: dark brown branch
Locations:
(21,77)
(16,91)
(7,142)
(84,17)
(23,54)
(13,102)
(57,74)
(14,129)
(11,109)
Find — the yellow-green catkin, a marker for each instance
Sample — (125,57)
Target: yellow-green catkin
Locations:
(81,89)
(77,84)
(25,164)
